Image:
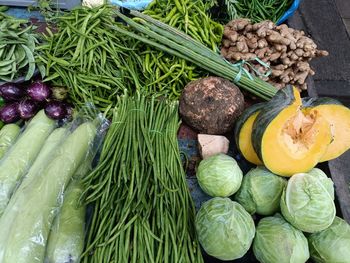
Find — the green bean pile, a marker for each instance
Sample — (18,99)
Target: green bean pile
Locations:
(90,59)
(17,47)
(143,209)
(169,73)
(258,10)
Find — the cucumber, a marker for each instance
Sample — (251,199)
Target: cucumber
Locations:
(66,240)
(8,135)
(22,154)
(19,198)
(26,243)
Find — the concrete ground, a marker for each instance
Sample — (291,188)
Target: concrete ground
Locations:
(328,23)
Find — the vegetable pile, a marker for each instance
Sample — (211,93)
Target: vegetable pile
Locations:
(24,103)
(143,209)
(82,188)
(17,45)
(285,50)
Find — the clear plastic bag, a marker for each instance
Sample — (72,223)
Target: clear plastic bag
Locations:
(27,220)
(22,155)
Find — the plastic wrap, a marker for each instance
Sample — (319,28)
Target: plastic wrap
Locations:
(22,155)
(66,240)
(31,212)
(8,135)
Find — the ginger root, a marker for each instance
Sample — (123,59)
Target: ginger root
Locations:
(287,50)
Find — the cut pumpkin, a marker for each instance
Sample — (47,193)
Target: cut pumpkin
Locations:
(286,138)
(243,133)
(338,117)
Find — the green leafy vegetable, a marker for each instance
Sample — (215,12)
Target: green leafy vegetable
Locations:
(261,191)
(219,175)
(225,230)
(332,244)
(306,203)
(276,241)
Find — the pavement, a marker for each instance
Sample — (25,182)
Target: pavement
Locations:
(328,23)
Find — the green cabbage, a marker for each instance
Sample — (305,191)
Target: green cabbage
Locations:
(261,191)
(307,204)
(323,178)
(277,241)
(331,245)
(219,175)
(225,230)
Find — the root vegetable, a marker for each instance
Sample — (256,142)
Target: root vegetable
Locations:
(211,105)
(286,50)
(210,145)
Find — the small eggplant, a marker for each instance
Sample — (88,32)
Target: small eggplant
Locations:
(27,109)
(9,113)
(11,92)
(39,91)
(56,110)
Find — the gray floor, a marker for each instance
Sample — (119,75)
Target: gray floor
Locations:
(324,21)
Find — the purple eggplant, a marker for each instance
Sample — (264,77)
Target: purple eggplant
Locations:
(9,113)
(11,92)
(56,110)
(27,109)
(39,91)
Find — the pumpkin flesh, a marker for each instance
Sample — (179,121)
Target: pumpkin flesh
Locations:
(338,117)
(245,141)
(294,141)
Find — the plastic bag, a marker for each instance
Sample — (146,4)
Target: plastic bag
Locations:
(22,155)
(66,239)
(289,12)
(132,4)
(30,214)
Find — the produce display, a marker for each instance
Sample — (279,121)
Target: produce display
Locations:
(286,52)
(163,135)
(18,42)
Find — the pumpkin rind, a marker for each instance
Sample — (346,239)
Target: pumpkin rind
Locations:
(338,117)
(243,132)
(283,146)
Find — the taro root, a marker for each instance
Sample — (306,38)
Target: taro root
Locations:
(211,105)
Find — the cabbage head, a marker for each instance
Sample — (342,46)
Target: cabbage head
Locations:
(261,191)
(306,203)
(277,241)
(225,230)
(324,179)
(219,175)
(331,245)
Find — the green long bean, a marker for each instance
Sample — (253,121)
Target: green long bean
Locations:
(143,209)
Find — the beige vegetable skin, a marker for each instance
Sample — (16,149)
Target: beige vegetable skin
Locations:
(210,145)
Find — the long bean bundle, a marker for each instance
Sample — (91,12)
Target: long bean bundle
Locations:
(89,58)
(143,210)
(166,38)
